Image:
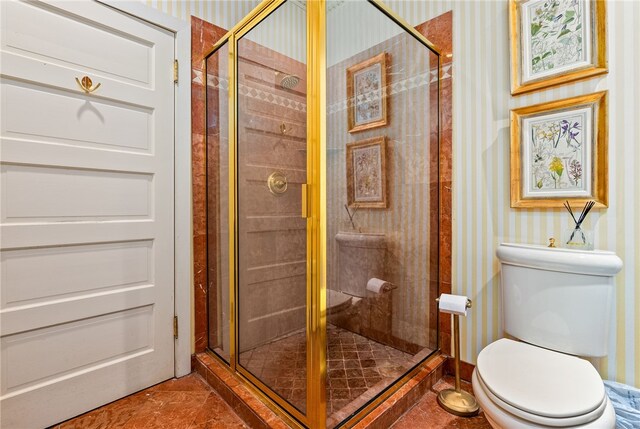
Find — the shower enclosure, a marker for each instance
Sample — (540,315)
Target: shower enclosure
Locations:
(322,204)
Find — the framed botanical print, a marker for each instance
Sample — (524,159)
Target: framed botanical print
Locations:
(366,94)
(556,41)
(559,152)
(366,173)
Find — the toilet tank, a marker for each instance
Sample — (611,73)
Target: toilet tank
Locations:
(361,256)
(559,299)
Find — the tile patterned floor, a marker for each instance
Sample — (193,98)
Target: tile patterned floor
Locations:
(357,368)
(189,403)
(184,403)
(281,365)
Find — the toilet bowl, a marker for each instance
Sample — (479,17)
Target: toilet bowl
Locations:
(556,303)
(519,385)
(337,301)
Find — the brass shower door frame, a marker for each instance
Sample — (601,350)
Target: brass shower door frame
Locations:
(314,200)
(315,328)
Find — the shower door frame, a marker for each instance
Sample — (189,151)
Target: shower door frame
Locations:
(314,209)
(314,413)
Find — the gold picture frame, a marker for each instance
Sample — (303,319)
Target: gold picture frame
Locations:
(553,43)
(559,152)
(366,173)
(367,94)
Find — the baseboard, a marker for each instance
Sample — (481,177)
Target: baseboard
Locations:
(466,369)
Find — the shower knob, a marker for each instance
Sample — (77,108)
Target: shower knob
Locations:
(277,183)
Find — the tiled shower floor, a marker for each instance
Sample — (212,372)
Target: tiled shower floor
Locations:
(357,369)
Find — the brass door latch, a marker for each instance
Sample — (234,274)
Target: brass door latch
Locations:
(87,85)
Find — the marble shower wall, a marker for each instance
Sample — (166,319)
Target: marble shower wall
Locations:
(203,36)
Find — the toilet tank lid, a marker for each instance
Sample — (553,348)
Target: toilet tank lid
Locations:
(371,240)
(540,381)
(593,262)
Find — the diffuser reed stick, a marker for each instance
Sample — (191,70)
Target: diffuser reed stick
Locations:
(585,211)
(351,215)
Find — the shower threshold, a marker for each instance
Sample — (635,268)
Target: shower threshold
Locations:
(358,369)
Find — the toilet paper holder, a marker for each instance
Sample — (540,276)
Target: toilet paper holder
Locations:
(456,401)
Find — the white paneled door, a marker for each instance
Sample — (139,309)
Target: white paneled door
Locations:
(86,184)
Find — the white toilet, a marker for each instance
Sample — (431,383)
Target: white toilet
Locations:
(557,303)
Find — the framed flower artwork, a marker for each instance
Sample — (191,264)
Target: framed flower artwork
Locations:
(559,152)
(366,94)
(556,41)
(366,173)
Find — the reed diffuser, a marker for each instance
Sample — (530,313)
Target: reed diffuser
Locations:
(351,215)
(577,237)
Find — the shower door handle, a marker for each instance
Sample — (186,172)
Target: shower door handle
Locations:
(305,209)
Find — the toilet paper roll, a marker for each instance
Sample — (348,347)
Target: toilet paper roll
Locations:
(453,304)
(379,286)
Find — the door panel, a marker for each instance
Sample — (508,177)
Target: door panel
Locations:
(79,42)
(272,235)
(272,244)
(73,194)
(36,112)
(74,269)
(86,182)
(23,352)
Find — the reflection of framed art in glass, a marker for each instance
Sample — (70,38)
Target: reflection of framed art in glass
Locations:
(366,94)
(556,41)
(559,152)
(366,173)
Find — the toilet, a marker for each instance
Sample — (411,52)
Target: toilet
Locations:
(361,256)
(556,307)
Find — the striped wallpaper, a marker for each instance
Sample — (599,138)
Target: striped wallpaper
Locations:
(290,21)
(347,37)
(223,13)
(482,216)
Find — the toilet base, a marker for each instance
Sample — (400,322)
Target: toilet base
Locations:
(501,419)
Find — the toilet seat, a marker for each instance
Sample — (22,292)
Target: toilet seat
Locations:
(540,385)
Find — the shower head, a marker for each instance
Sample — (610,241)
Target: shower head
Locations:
(288,81)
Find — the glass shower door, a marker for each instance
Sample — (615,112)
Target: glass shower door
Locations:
(382,181)
(329,291)
(217,164)
(271,168)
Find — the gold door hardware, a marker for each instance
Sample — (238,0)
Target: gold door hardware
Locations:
(175,327)
(305,212)
(175,71)
(87,85)
(283,128)
(277,183)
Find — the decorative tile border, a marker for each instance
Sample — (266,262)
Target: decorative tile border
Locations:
(395,88)
(413,82)
(258,94)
